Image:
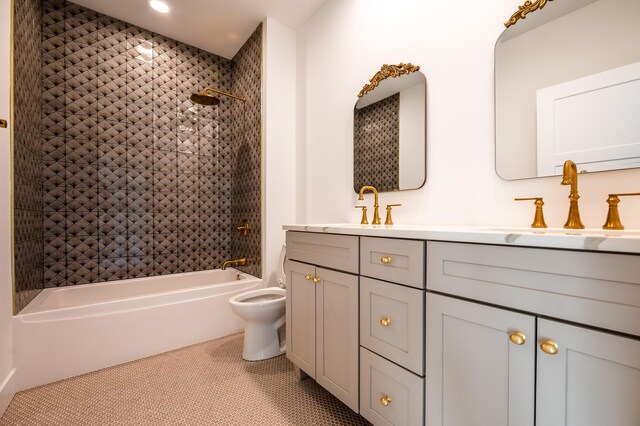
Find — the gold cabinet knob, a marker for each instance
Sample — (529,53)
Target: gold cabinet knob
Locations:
(385,260)
(308,277)
(549,347)
(385,322)
(316,280)
(518,338)
(385,400)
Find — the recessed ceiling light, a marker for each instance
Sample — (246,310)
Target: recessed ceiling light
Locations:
(159,6)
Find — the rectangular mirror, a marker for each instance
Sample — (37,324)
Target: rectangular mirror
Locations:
(389,131)
(567,86)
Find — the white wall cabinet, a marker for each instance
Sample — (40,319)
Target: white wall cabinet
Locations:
(322,328)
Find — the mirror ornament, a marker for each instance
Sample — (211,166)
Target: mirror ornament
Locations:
(526,8)
(388,71)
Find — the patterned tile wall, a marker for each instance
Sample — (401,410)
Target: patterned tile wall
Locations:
(246,150)
(137,179)
(28,232)
(376,148)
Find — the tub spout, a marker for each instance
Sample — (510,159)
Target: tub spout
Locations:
(235,262)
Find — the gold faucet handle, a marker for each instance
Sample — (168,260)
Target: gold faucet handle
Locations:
(364,220)
(538,218)
(389,220)
(243,228)
(613,217)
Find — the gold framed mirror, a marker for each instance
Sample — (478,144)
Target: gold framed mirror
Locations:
(567,86)
(389,130)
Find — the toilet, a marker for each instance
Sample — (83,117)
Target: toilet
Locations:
(263,312)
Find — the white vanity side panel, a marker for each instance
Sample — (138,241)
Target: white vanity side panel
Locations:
(597,289)
(402,341)
(593,380)
(329,250)
(406,265)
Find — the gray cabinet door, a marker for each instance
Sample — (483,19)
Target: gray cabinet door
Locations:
(337,335)
(475,373)
(592,380)
(301,316)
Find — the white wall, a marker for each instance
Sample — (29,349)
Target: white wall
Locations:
(279,154)
(347,41)
(6,286)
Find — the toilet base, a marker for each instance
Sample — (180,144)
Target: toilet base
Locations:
(261,341)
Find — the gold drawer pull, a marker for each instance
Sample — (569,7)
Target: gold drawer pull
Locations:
(518,338)
(385,322)
(549,347)
(308,277)
(385,260)
(316,280)
(385,400)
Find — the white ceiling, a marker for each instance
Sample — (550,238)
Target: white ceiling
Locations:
(218,26)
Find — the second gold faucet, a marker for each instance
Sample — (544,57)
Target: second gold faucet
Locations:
(376,213)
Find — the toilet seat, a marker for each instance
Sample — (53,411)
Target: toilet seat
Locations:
(261,297)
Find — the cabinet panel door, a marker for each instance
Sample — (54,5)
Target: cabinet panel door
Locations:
(337,335)
(301,317)
(593,380)
(475,374)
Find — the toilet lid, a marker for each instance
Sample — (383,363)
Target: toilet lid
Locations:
(282,278)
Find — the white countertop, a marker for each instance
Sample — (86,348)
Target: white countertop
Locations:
(556,238)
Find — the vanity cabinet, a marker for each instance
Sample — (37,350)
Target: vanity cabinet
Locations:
(501,366)
(392,331)
(322,312)
(468,333)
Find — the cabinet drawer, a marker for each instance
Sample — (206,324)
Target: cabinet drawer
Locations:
(329,250)
(382,382)
(399,261)
(598,289)
(392,322)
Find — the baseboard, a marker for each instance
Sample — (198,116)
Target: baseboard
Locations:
(7,390)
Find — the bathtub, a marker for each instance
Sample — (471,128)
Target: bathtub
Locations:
(68,331)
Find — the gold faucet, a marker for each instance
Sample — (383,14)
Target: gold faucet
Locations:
(376,214)
(570,177)
(235,262)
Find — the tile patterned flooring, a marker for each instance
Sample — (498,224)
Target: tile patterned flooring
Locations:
(203,384)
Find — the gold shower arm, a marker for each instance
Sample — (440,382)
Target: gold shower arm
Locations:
(220,92)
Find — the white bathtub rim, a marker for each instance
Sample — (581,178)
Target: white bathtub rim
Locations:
(132,303)
(128,305)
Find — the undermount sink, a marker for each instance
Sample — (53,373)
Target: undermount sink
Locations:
(562,231)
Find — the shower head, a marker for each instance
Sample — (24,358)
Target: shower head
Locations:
(204,98)
(207,97)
